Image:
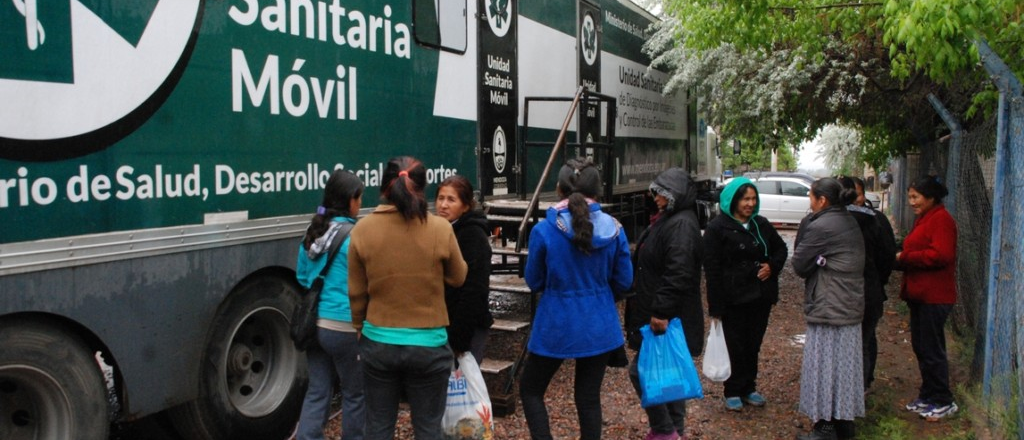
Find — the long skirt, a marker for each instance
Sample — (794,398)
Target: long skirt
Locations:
(832,375)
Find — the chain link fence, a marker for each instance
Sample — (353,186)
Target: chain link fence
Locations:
(986,195)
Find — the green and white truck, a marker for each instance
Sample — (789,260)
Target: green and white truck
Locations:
(159,160)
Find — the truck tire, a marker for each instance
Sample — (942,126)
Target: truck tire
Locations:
(252,379)
(50,385)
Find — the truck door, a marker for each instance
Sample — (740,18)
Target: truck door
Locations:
(497,97)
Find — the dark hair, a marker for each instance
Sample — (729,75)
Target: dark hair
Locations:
(578,180)
(735,203)
(930,188)
(462,188)
(833,191)
(849,194)
(402,186)
(342,187)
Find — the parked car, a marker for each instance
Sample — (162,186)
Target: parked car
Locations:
(783,195)
(874,199)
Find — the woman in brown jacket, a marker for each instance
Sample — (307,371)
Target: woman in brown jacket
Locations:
(400,258)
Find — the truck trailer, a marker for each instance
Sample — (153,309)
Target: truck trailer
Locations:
(160,160)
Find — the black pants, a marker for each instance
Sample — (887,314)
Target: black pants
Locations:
(537,374)
(928,338)
(744,327)
(872,314)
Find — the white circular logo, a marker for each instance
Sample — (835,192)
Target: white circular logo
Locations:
(499,16)
(498,148)
(588,39)
(79,77)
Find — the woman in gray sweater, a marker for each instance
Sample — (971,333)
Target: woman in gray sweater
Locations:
(829,255)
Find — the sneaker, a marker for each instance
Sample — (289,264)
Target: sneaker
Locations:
(733,403)
(651,435)
(754,399)
(917,406)
(934,413)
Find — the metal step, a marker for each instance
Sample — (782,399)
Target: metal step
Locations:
(510,288)
(506,325)
(494,366)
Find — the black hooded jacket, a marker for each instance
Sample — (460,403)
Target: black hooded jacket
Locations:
(668,261)
(733,257)
(468,306)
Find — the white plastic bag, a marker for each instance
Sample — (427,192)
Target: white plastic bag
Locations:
(716,355)
(468,413)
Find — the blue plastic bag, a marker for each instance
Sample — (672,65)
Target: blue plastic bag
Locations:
(667,372)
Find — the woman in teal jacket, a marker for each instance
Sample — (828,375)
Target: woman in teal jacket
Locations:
(743,256)
(337,351)
(579,258)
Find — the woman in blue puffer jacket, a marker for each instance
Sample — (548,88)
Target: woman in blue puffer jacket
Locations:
(579,259)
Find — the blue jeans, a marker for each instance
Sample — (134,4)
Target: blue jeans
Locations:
(663,419)
(534,383)
(420,372)
(337,352)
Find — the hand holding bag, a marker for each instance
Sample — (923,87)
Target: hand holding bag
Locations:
(667,372)
(467,415)
(716,355)
(303,323)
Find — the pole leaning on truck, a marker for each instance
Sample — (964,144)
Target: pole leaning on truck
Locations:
(160,159)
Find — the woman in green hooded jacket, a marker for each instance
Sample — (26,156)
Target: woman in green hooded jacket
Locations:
(743,257)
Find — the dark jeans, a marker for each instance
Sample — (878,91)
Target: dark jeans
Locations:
(338,352)
(872,314)
(663,419)
(928,338)
(537,374)
(744,327)
(421,372)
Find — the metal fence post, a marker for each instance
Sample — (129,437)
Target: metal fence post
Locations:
(955,143)
(1005,277)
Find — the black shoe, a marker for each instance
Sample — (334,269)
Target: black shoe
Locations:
(823,430)
(845,429)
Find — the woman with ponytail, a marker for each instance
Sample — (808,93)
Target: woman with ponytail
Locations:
(337,351)
(400,259)
(579,259)
(829,255)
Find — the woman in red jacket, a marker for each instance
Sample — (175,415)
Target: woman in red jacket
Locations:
(928,261)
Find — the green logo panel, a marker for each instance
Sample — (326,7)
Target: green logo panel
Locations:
(35,41)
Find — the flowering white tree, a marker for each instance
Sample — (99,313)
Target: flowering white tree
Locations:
(841,150)
(774,72)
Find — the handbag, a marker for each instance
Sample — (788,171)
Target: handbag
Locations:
(305,314)
(467,413)
(716,355)
(667,372)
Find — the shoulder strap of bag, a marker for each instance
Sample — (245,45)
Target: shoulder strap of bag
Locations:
(339,238)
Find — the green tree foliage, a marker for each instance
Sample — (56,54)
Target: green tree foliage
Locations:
(775,72)
(753,159)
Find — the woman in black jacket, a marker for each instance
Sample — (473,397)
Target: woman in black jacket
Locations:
(879,255)
(469,313)
(743,256)
(667,283)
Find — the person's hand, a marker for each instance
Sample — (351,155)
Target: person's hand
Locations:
(658,326)
(764,272)
(898,255)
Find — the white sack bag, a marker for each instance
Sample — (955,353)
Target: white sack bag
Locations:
(716,355)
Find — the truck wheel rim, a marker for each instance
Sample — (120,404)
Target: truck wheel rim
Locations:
(32,405)
(261,363)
